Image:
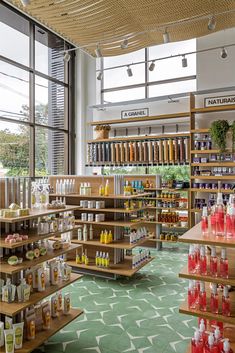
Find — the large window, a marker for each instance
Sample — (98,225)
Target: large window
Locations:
(35,89)
(168,77)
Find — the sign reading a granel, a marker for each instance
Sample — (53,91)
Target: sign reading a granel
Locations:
(136,113)
(218,101)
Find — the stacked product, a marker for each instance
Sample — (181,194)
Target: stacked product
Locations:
(163,151)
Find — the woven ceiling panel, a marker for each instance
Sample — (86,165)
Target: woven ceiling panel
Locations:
(86,22)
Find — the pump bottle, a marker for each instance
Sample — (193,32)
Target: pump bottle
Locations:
(202,261)
(219,215)
(191,260)
(196,343)
(202,297)
(191,296)
(213,262)
(204,223)
(223,264)
(214,301)
(226,306)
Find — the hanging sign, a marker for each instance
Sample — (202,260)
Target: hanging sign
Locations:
(218,101)
(136,113)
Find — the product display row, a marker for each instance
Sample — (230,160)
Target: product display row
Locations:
(159,151)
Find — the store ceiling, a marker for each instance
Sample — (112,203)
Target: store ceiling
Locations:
(87,22)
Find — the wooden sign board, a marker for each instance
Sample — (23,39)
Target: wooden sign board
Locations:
(219,101)
(135,113)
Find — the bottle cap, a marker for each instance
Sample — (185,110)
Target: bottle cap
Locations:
(226,345)
(191,249)
(197,335)
(217,333)
(202,251)
(214,288)
(204,211)
(202,326)
(213,251)
(223,253)
(211,339)
(225,292)
(202,289)
(220,198)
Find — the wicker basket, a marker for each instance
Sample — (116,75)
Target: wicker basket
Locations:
(101,134)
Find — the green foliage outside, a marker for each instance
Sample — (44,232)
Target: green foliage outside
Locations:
(167,172)
(14,146)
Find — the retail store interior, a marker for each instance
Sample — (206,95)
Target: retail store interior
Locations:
(117,176)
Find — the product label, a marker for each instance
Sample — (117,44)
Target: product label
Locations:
(26,294)
(136,113)
(18,336)
(219,101)
(9,343)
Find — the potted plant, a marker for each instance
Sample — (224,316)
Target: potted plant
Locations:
(233,135)
(102,132)
(168,176)
(218,131)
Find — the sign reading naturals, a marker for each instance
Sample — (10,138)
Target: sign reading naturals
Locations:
(137,113)
(217,101)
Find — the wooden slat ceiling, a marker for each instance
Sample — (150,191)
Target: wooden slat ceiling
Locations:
(86,22)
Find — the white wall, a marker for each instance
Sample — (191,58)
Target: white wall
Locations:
(212,72)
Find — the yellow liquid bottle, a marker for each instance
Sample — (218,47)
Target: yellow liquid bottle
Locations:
(106,189)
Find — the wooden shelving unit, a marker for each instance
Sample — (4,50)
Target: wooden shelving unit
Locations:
(56,325)
(139,138)
(117,220)
(194,236)
(19,193)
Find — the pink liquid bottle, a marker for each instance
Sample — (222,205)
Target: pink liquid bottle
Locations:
(213,262)
(230,217)
(213,221)
(218,339)
(197,256)
(226,306)
(210,346)
(196,343)
(219,215)
(226,347)
(202,261)
(202,297)
(191,296)
(223,264)
(196,285)
(204,223)
(202,331)
(191,260)
(214,300)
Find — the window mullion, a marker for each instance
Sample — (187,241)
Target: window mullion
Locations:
(32,101)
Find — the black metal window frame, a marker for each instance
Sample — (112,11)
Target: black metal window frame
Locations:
(69,84)
(146,84)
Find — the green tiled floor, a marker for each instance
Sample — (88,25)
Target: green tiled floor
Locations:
(130,315)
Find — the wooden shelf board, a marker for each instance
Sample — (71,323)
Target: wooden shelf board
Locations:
(195,236)
(196,210)
(32,238)
(166,189)
(148,118)
(56,325)
(112,210)
(122,269)
(11,309)
(95,196)
(111,223)
(118,244)
(184,309)
(214,164)
(213,177)
(208,278)
(212,190)
(199,131)
(223,108)
(5,268)
(168,208)
(38,213)
(139,138)
(208,151)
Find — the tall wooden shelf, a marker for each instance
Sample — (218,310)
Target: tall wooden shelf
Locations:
(19,195)
(194,236)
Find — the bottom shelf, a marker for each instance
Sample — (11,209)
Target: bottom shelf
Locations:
(56,325)
(122,269)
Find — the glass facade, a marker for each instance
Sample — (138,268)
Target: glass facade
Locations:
(36,99)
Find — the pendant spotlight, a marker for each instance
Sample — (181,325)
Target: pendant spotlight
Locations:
(100,76)
(224,53)
(152,66)
(129,71)
(184,61)
(124,44)
(67,57)
(25,2)
(98,52)
(211,23)
(166,37)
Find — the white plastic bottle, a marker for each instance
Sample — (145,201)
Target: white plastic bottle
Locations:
(85,233)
